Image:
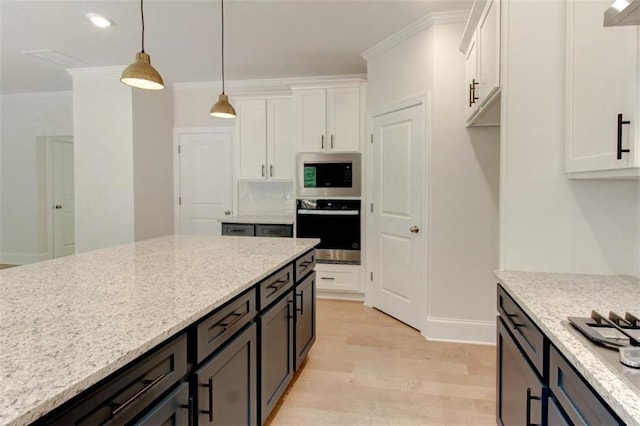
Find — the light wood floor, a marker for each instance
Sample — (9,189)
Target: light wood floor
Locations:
(368,369)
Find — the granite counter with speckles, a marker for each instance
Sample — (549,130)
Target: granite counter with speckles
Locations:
(69,322)
(549,298)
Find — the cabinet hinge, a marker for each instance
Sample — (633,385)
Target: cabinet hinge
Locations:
(179,201)
(371,207)
(370,276)
(371,137)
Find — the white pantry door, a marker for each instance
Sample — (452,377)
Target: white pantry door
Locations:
(206,176)
(398,190)
(63,199)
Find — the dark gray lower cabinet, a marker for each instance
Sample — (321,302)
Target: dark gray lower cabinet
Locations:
(305,293)
(276,353)
(519,388)
(227,384)
(528,394)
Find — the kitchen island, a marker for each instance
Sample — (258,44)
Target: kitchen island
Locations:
(548,299)
(67,324)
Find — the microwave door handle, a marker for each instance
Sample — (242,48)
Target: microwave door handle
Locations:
(329,212)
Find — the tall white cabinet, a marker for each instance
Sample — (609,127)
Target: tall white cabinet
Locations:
(328,119)
(264,138)
(602,95)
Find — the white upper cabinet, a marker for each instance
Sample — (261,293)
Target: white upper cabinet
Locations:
(602,95)
(328,119)
(481,46)
(264,139)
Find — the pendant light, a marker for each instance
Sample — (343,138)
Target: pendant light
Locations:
(141,74)
(222,108)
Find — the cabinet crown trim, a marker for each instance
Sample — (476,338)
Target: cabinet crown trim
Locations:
(269,85)
(436,18)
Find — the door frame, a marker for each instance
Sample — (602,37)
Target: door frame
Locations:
(49,140)
(177,132)
(424,99)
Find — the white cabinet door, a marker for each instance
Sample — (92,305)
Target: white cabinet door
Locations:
(471,77)
(489,54)
(251,137)
(311,119)
(280,144)
(602,82)
(343,115)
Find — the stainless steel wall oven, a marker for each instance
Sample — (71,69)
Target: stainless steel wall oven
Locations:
(336,223)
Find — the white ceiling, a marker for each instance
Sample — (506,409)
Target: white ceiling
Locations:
(263,38)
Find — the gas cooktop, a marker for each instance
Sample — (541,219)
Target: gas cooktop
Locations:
(614,339)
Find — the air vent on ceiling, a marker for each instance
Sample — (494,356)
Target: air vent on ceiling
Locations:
(55,57)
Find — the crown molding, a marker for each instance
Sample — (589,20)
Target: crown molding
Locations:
(436,18)
(271,85)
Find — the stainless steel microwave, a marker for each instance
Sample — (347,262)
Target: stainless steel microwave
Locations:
(328,175)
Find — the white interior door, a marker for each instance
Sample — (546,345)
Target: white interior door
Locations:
(206,176)
(397,248)
(63,198)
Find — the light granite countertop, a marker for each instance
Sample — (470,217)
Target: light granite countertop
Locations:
(549,298)
(69,322)
(261,219)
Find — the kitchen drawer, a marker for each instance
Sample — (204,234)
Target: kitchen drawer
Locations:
(305,264)
(175,409)
(273,287)
(238,229)
(224,323)
(130,392)
(527,334)
(338,277)
(575,396)
(274,231)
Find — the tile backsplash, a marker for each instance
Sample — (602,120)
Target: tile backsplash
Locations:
(265,198)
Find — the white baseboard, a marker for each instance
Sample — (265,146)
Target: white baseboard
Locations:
(461,331)
(21,258)
(339,295)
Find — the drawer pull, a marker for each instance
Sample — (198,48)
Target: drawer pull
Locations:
(277,286)
(305,264)
(210,411)
(116,408)
(514,325)
(234,317)
(301,309)
(327,278)
(528,412)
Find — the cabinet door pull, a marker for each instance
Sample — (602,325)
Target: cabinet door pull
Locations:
(528,411)
(117,408)
(331,141)
(270,170)
(301,296)
(210,411)
(189,408)
(322,141)
(263,170)
(620,123)
(474,98)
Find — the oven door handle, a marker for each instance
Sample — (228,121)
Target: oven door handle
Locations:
(329,212)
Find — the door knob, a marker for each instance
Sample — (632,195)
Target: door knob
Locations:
(58,206)
(227,212)
(414,229)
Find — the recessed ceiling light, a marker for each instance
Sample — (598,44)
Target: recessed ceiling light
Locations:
(99,20)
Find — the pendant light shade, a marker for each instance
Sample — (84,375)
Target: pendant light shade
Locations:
(222,108)
(141,74)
